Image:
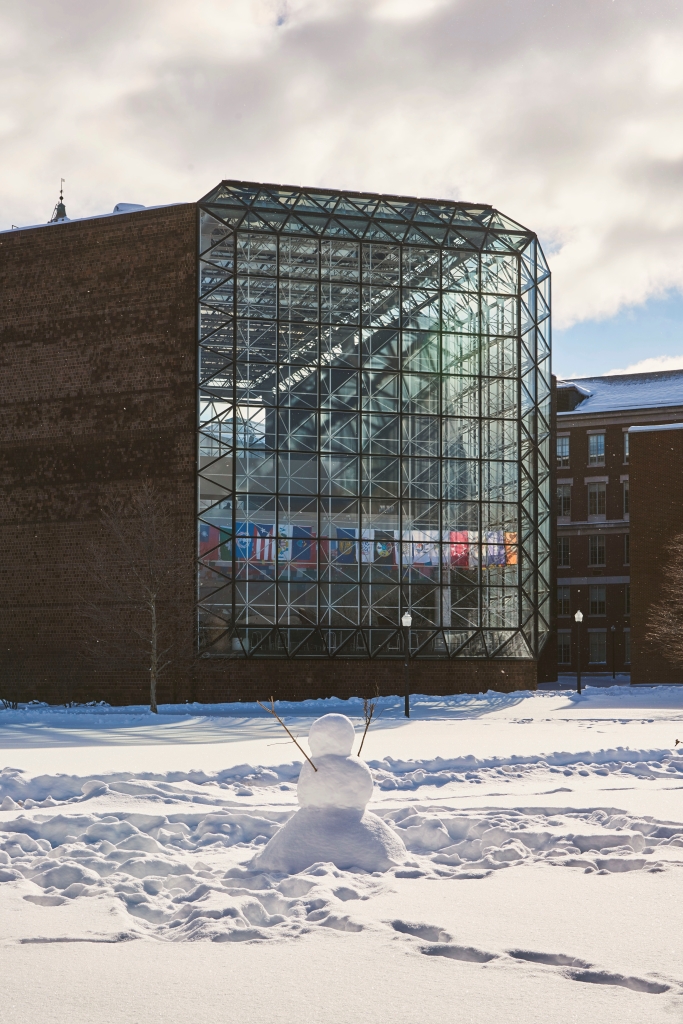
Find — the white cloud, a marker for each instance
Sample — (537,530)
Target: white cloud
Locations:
(651,365)
(567,116)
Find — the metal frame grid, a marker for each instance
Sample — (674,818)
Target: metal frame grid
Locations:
(373,427)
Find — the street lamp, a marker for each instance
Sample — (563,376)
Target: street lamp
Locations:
(578,618)
(406,622)
(614,657)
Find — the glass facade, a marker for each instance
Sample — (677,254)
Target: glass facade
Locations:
(374,427)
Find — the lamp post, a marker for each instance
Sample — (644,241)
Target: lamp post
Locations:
(406,622)
(578,618)
(614,657)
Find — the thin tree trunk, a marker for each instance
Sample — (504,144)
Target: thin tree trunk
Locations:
(154,667)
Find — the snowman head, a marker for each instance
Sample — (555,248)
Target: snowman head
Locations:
(331,734)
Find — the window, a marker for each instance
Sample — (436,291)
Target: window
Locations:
(563,601)
(625,496)
(597,499)
(596,449)
(597,647)
(597,600)
(626,446)
(563,552)
(564,500)
(627,549)
(627,646)
(564,648)
(562,451)
(596,550)
(627,599)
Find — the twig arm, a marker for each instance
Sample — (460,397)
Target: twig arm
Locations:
(274,713)
(368,719)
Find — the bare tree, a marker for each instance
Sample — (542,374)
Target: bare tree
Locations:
(369,706)
(665,620)
(141,565)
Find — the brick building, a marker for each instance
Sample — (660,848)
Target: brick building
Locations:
(656,507)
(597,535)
(346,400)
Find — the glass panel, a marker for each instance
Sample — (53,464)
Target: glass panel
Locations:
(421,267)
(421,351)
(339,432)
(339,388)
(340,303)
(256,254)
(298,300)
(421,435)
(381,349)
(340,261)
(381,434)
(382,264)
(299,258)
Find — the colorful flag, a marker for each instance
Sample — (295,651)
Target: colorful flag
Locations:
(511,548)
(226,544)
(344,550)
(473,541)
(459,548)
(494,549)
(209,539)
(386,549)
(244,541)
(368,546)
(264,545)
(425,551)
(284,543)
(303,546)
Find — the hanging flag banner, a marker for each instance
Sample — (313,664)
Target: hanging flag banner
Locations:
(511,549)
(209,539)
(264,545)
(344,550)
(284,543)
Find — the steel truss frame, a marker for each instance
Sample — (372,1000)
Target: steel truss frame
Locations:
(373,427)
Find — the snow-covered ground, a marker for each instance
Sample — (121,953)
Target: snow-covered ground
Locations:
(543,880)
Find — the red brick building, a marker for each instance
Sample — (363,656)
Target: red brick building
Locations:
(597,535)
(656,505)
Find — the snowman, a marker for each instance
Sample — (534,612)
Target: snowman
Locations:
(332,823)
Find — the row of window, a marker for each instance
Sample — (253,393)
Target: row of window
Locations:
(597,499)
(596,551)
(596,450)
(597,600)
(597,647)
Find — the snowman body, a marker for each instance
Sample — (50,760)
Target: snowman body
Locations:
(332,823)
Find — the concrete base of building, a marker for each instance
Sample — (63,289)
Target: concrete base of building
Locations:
(217,680)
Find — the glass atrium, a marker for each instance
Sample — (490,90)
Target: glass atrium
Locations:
(374,422)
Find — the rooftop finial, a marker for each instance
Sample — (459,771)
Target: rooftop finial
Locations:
(60,209)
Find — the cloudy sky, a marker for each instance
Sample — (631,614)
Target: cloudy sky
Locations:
(567,115)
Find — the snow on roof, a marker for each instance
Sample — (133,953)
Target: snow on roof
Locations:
(118,209)
(626,391)
(656,426)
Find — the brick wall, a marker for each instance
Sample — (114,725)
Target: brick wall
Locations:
(656,474)
(97,348)
(301,679)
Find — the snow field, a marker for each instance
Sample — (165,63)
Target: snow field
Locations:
(533,883)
